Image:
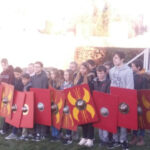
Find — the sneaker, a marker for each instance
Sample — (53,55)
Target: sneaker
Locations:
(140,142)
(113,145)
(30,136)
(124,146)
(133,140)
(82,141)
(23,138)
(2,132)
(36,138)
(89,143)
(67,141)
(11,136)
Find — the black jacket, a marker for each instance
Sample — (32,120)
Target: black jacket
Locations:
(102,86)
(140,82)
(7,76)
(27,87)
(18,84)
(40,81)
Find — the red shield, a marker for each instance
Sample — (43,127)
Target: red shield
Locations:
(106,106)
(57,106)
(81,104)
(27,119)
(67,119)
(42,106)
(18,102)
(127,107)
(6,100)
(144,109)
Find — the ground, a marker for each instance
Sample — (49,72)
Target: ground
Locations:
(47,145)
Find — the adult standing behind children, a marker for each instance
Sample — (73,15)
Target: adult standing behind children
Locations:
(121,76)
(39,80)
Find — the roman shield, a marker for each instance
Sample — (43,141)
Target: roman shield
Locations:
(106,106)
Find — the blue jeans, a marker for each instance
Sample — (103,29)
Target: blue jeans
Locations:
(55,132)
(139,132)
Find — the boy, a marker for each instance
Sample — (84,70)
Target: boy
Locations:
(27,85)
(39,80)
(139,83)
(121,76)
(19,87)
(6,76)
(102,84)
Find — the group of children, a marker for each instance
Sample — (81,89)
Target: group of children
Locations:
(99,78)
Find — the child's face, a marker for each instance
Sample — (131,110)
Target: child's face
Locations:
(83,70)
(31,69)
(17,75)
(66,76)
(117,60)
(37,68)
(101,75)
(52,75)
(73,67)
(25,81)
(134,68)
(4,66)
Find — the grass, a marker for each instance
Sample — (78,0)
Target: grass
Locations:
(47,145)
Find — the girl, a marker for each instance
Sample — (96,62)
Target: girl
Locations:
(87,129)
(55,82)
(68,77)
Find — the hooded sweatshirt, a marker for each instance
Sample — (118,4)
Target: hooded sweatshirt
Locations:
(122,77)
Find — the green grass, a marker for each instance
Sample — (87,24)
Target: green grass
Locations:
(47,145)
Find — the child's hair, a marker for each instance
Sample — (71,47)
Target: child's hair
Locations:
(58,81)
(91,62)
(70,74)
(108,63)
(121,54)
(39,63)
(138,63)
(18,69)
(4,60)
(101,68)
(78,76)
(73,62)
(26,76)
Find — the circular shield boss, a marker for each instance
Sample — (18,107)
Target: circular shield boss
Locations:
(104,112)
(139,110)
(81,104)
(124,108)
(25,109)
(14,108)
(40,106)
(54,108)
(66,109)
(5,100)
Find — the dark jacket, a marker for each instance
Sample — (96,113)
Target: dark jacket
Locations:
(40,81)
(18,84)
(140,82)
(7,76)
(27,86)
(102,86)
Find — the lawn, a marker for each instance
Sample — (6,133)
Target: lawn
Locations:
(47,145)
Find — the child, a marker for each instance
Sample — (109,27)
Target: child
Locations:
(139,83)
(55,82)
(19,87)
(102,84)
(27,85)
(87,129)
(68,76)
(121,76)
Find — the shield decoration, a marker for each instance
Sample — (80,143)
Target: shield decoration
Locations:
(144,109)
(27,119)
(67,119)
(57,106)
(16,108)
(42,106)
(127,107)
(106,106)
(6,100)
(81,104)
